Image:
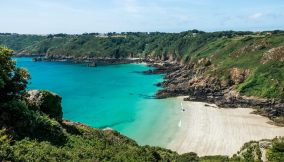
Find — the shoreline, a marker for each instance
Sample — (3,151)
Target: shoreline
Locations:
(88,60)
(208,130)
(188,80)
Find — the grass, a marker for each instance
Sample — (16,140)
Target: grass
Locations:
(266,81)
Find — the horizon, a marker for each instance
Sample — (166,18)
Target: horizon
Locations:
(260,31)
(43,17)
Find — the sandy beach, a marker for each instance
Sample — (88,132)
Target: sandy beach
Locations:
(210,130)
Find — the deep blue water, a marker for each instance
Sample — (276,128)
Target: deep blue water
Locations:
(115,96)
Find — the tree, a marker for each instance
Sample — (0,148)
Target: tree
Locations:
(13,80)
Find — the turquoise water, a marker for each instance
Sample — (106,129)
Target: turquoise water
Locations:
(115,96)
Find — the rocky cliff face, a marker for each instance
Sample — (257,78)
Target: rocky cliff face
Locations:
(273,54)
(192,80)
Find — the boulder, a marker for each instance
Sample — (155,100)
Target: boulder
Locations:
(45,102)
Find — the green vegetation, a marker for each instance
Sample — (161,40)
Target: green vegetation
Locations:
(266,81)
(12,80)
(217,158)
(251,152)
(32,132)
(17,41)
(225,50)
(276,152)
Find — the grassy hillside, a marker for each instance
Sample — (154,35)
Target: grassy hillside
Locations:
(18,42)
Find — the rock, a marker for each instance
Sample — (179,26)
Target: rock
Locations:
(204,62)
(162,69)
(159,84)
(238,76)
(108,130)
(264,144)
(92,64)
(275,54)
(45,102)
(257,45)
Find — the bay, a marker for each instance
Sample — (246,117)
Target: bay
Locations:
(115,96)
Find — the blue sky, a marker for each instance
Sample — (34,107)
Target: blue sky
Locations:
(79,16)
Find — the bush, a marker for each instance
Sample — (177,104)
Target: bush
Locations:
(23,122)
(45,102)
(13,80)
(217,158)
(276,153)
(188,157)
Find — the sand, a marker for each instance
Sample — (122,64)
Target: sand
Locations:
(217,131)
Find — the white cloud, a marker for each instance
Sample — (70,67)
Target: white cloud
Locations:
(131,6)
(182,18)
(256,15)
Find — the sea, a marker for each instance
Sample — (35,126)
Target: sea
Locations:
(119,97)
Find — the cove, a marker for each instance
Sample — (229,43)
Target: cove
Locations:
(115,96)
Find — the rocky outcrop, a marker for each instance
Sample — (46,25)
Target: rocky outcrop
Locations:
(258,45)
(275,54)
(189,80)
(192,81)
(274,109)
(45,102)
(238,76)
(161,68)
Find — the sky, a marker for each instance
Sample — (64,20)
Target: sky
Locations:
(80,16)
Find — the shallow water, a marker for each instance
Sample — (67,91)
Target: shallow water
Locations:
(115,96)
